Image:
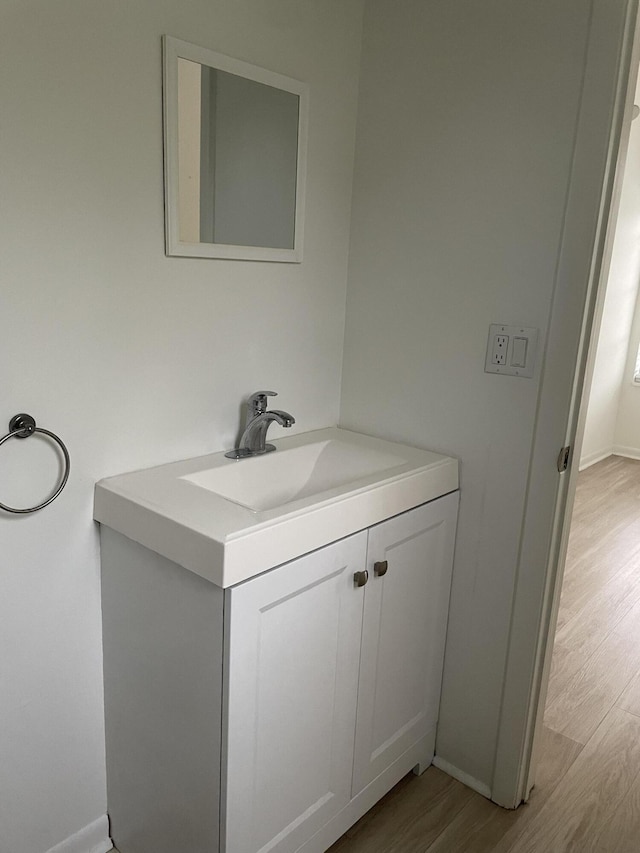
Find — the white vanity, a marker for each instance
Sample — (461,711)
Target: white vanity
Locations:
(274,634)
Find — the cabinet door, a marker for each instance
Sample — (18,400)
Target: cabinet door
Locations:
(403,634)
(291,676)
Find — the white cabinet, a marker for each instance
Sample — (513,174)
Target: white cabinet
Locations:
(322,693)
(293,648)
(409,562)
(307,647)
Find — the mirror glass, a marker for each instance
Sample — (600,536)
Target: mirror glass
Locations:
(235,141)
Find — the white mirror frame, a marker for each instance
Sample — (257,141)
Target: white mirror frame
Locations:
(173,49)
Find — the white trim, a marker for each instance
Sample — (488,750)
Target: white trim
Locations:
(94,838)
(461,776)
(628,452)
(597,456)
(172,50)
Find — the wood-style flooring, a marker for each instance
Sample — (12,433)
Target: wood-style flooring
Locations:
(587,794)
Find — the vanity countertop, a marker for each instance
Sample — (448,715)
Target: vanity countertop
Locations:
(175,510)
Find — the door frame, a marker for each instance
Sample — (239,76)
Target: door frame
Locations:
(592,199)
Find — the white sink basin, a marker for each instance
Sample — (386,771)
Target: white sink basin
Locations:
(228,520)
(275,479)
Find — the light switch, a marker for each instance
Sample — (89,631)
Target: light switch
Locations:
(519,353)
(511,350)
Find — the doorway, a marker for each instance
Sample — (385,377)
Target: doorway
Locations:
(602,567)
(596,651)
(611,65)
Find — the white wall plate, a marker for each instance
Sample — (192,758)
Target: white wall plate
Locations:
(511,350)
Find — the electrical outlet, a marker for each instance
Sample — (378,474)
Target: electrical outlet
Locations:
(511,350)
(500,347)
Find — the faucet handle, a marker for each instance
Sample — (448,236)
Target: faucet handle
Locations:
(257,403)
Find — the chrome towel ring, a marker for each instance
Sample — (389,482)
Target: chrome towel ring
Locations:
(22,426)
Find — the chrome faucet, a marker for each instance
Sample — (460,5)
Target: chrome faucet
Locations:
(258,420)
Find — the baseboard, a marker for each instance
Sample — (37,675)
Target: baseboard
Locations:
(629,452)
(591,458)
(465,778)
(94,838)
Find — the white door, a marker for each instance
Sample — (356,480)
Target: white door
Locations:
(291,675)
(403,634)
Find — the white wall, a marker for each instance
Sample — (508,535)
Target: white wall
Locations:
(465,135)
(613,413)
(626,438)
(133,358)
(189,133)
(627,432)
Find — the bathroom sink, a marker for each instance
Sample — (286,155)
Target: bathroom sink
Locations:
(269,481)
(228,520)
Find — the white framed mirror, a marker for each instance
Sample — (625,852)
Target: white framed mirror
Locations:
(235,147)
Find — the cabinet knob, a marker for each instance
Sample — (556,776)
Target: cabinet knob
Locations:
(360,578)
(380,569)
